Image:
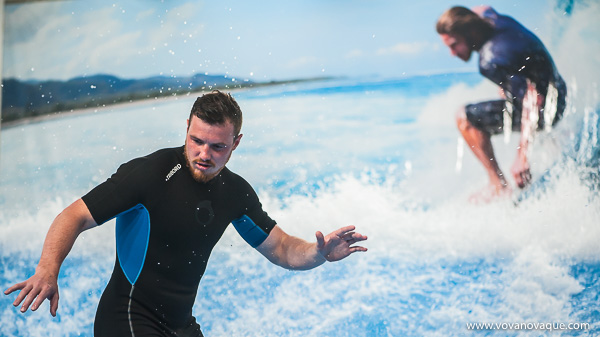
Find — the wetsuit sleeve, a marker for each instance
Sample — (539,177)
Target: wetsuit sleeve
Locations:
(254,225)
(122,191)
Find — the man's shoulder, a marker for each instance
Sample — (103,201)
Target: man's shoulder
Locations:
(507,27)
(510,43)
(156,161)
(165,153)
(231,177)
(235,183)
(237,188)
(161,155)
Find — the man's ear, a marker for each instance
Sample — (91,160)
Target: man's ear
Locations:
(236,142)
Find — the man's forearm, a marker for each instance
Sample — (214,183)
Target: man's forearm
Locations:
(529,118)
(523,148)
(304,255)
(298,254)
(290,252)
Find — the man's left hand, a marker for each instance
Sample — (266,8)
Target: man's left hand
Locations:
(520,171)
(337,245)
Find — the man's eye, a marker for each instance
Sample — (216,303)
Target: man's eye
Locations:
(219,147)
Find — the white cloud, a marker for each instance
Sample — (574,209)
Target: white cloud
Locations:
(301,61)
(178,21)
(31,55)
(145,14)
(412,48)
(97,45)
(98,41)
(354,54)
(67,43)
(22,23)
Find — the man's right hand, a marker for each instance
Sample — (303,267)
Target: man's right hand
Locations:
(60,238)
(35,290)
(520,171)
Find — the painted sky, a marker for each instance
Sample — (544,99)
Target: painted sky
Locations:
(264,40)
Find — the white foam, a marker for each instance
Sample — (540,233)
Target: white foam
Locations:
(418,256)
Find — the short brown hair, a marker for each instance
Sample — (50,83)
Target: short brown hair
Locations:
(217,108)
(464,22)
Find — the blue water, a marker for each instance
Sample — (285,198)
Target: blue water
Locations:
(380,154)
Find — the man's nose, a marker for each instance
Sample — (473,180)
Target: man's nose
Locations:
(205,152)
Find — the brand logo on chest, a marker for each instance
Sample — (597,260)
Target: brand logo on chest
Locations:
(173,171)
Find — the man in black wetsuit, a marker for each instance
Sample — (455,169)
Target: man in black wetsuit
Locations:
(516,60)
(171,208)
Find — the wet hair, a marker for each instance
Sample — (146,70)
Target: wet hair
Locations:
(464,22)
(218,108)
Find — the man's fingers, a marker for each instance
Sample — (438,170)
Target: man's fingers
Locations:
(320,239)
(526,177)
(44,294)
(523,179)
(348,236)
(342,231)
(54,304)
(518,179)
(347,233)
(25,289)
(359,237)
(357,249)
(31,295)
(355,237)
(353,241)
(14,288)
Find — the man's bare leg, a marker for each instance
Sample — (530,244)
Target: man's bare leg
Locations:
(480,143)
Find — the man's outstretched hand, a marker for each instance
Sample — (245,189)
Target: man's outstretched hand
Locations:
(34,291)
(338,244)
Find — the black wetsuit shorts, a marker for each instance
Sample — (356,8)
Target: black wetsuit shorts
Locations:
(489,116)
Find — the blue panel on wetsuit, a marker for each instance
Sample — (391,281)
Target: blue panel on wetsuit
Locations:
(249,231)
(133,233)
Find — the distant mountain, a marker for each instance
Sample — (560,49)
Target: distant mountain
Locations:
(21,99)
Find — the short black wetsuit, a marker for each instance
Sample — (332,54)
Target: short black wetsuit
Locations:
(510,57)
(167,225)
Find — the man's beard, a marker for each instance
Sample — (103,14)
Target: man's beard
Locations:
(200,176)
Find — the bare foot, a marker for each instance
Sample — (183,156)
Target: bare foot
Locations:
(490,193)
